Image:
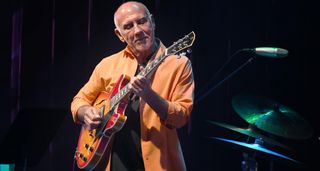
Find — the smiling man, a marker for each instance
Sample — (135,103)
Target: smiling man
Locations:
(158,105)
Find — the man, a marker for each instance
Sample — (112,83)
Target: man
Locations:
(158,106)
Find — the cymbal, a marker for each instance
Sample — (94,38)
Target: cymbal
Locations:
(250,132)
(257,147)
(271,116)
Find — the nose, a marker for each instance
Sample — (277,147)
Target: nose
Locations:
(137,29)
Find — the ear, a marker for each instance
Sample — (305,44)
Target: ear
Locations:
(117,32)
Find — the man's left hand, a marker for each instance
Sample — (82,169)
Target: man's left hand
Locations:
(140,86)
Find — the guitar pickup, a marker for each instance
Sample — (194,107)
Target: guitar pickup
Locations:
(81,156)
(90,148)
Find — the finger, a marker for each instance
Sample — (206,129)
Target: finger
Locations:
(140,84)
(130,85)
(133,89)
(137,88)
(143,81)
(96,118)
(139,77)
(86,120)
(90,124)
(93,114)
(94,111)
(94,124)
(135,85)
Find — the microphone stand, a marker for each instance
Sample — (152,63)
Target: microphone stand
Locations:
(222,81)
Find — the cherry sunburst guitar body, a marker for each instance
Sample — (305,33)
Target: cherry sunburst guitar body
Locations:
(92,144)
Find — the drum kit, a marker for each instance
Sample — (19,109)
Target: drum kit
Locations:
(266,118)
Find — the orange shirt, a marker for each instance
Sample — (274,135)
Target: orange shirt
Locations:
(172,80)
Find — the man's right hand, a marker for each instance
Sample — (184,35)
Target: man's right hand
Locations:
(89,116)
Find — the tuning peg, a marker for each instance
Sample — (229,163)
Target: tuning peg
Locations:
(189,51)
(181,54)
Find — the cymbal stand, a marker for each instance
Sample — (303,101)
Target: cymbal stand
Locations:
(249,163)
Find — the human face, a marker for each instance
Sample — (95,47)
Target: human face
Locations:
(135,27)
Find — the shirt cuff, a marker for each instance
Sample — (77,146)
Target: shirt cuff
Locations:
(175,116)
(74,109)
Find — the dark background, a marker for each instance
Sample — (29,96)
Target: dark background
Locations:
(61,42)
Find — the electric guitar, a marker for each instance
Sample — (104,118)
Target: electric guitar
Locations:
(111,106)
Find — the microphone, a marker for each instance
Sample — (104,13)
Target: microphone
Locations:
(272,52)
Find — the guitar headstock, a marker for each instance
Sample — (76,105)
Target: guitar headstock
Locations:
(182,44)
(178,46)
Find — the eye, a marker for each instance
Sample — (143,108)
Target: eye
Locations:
(127,26)
(142,21)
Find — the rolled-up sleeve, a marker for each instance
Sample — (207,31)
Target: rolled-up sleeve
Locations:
(181,103)
(87,94)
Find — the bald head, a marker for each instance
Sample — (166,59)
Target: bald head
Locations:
(135,26)
(129,8)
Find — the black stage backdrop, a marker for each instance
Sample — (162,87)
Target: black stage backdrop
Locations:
(50,47)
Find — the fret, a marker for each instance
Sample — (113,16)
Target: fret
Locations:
(117,97)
